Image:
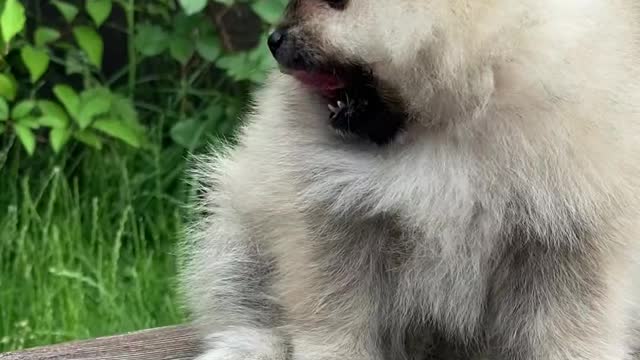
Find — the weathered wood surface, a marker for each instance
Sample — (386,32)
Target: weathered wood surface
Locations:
(168,343)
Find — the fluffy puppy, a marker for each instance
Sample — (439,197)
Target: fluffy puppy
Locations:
(429,179)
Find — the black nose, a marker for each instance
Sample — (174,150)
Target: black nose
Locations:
(275,40)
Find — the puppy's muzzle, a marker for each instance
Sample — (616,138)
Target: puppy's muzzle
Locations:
(290,50)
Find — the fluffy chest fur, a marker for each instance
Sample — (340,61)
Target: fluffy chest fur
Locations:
(424,226)
(505,214)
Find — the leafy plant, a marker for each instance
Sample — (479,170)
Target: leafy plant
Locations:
(35,118)
(195,43)
(54,87)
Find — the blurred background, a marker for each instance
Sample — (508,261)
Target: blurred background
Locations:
(101,104)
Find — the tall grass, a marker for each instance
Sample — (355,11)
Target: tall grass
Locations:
(87,243)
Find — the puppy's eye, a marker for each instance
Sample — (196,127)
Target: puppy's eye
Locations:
(337,4)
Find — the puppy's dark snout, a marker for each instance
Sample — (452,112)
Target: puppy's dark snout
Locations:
(289,49)
(275,40)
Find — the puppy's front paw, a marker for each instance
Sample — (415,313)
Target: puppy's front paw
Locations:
(231,354)
(226,354)
(244,344)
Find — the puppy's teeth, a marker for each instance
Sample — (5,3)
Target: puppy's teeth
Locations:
(340,104)
(332,108)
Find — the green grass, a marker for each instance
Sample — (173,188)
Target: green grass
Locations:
(87,243)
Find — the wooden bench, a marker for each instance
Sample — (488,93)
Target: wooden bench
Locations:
(168,343)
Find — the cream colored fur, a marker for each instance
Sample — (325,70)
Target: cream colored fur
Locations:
(525,114)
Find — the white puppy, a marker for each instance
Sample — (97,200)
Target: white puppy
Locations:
(430,179)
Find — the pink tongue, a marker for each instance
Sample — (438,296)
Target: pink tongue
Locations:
(326,83)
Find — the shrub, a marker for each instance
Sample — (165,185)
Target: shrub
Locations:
(99,72)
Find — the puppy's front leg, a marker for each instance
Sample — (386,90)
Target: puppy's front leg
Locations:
(334,324)
(325,345)
(331,309)
(558,304)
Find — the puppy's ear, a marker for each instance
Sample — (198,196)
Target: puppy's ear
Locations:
(240,28)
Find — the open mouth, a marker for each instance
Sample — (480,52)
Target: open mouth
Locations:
(354,100)
(358,103)
(326,83)
(334,83)
(342,87)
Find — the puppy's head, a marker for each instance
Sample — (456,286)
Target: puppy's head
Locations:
(412,47)
(326,43)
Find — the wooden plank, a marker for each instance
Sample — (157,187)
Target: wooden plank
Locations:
(168,343)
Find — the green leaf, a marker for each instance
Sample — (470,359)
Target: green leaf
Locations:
(119,130)
(208,46)
(22,109)
(251,65)
(186,26)
(90,138)
(74,63)
(150,40)
(51,122)
(53,115)
(90,42)
(99,10)
(158,10)
(12,19)
(4,110)
(26,137)
(58,137)
(29,121)
(269,10)
(8,87)
(122,108)
(262,61)
(36,61)
(67,10)
(181,49)
(3,128)
(68,97)
(45,35)
(189,133)
(91,107)
(191,7)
